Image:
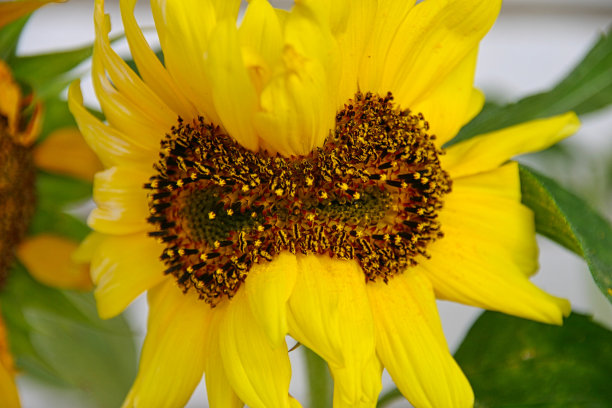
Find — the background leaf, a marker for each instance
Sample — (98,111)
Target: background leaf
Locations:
(568,220)
(47,73)
(513,363)
(587,88)
(9,38)
(57,336)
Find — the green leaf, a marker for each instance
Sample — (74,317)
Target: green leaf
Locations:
(46,73)
(587,88)
(319,380)
(52,220)
(59,191)
(568,220)
(9,38)
(56,116)
(57,337)
(513,363)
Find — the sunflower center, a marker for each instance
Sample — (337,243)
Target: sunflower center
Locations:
(17,195)
(371,194)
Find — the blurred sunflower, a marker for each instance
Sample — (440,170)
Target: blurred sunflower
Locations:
(283,177)
(46,256)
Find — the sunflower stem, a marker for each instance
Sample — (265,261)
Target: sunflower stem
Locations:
(319,380)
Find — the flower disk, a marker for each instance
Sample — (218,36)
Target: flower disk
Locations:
(17,195)
(371,193)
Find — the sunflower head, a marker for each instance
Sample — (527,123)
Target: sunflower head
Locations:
(17,171)
(289,171)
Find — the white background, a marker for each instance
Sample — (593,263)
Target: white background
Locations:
(532,45)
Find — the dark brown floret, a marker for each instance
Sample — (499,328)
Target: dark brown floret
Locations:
(17,195)
(371,193)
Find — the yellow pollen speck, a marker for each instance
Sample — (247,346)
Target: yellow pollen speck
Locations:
(211,215)
(245,188)
(203,257)
(216,244)
(279,192)
(230,211)
(310,217)
(309,181)
(356,196)
(260,228)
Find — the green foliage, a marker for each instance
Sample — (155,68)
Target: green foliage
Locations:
(568,220)
(57,336)
(513,363)
(47,73)
(9,38)
(59,191)
(587,88)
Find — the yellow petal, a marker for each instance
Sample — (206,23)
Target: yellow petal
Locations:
(122,268)
(10,98)
(330,314)
(51,155)
(48,258)
(218,388)
(260,33)
(448,106)
(8,389)
(121,201)
(488,206)
(110,145)
(135,97)
(298,103)
(11,11)
(433,39)
(268,287)
(173,356)
(485,152)
(136,125)
(233,92)
(184,29)
(462,273)
(411,345)
(375,28)
(258,371)
(150,67)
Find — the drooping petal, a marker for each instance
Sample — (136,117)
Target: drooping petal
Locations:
(487,205)
(218,388)
(268,288)
(67,142)
(488,151)
(448,106)
(432,40)
(460,272)
(330,314)
(121,201)
(123,267)
(48,258)
(172,359)
(233,92)
(150,67)
(111,146)
(411,344)
(258,370)
(128,103)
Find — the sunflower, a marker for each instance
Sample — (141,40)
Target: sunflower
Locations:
(288,176)
(46,256)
